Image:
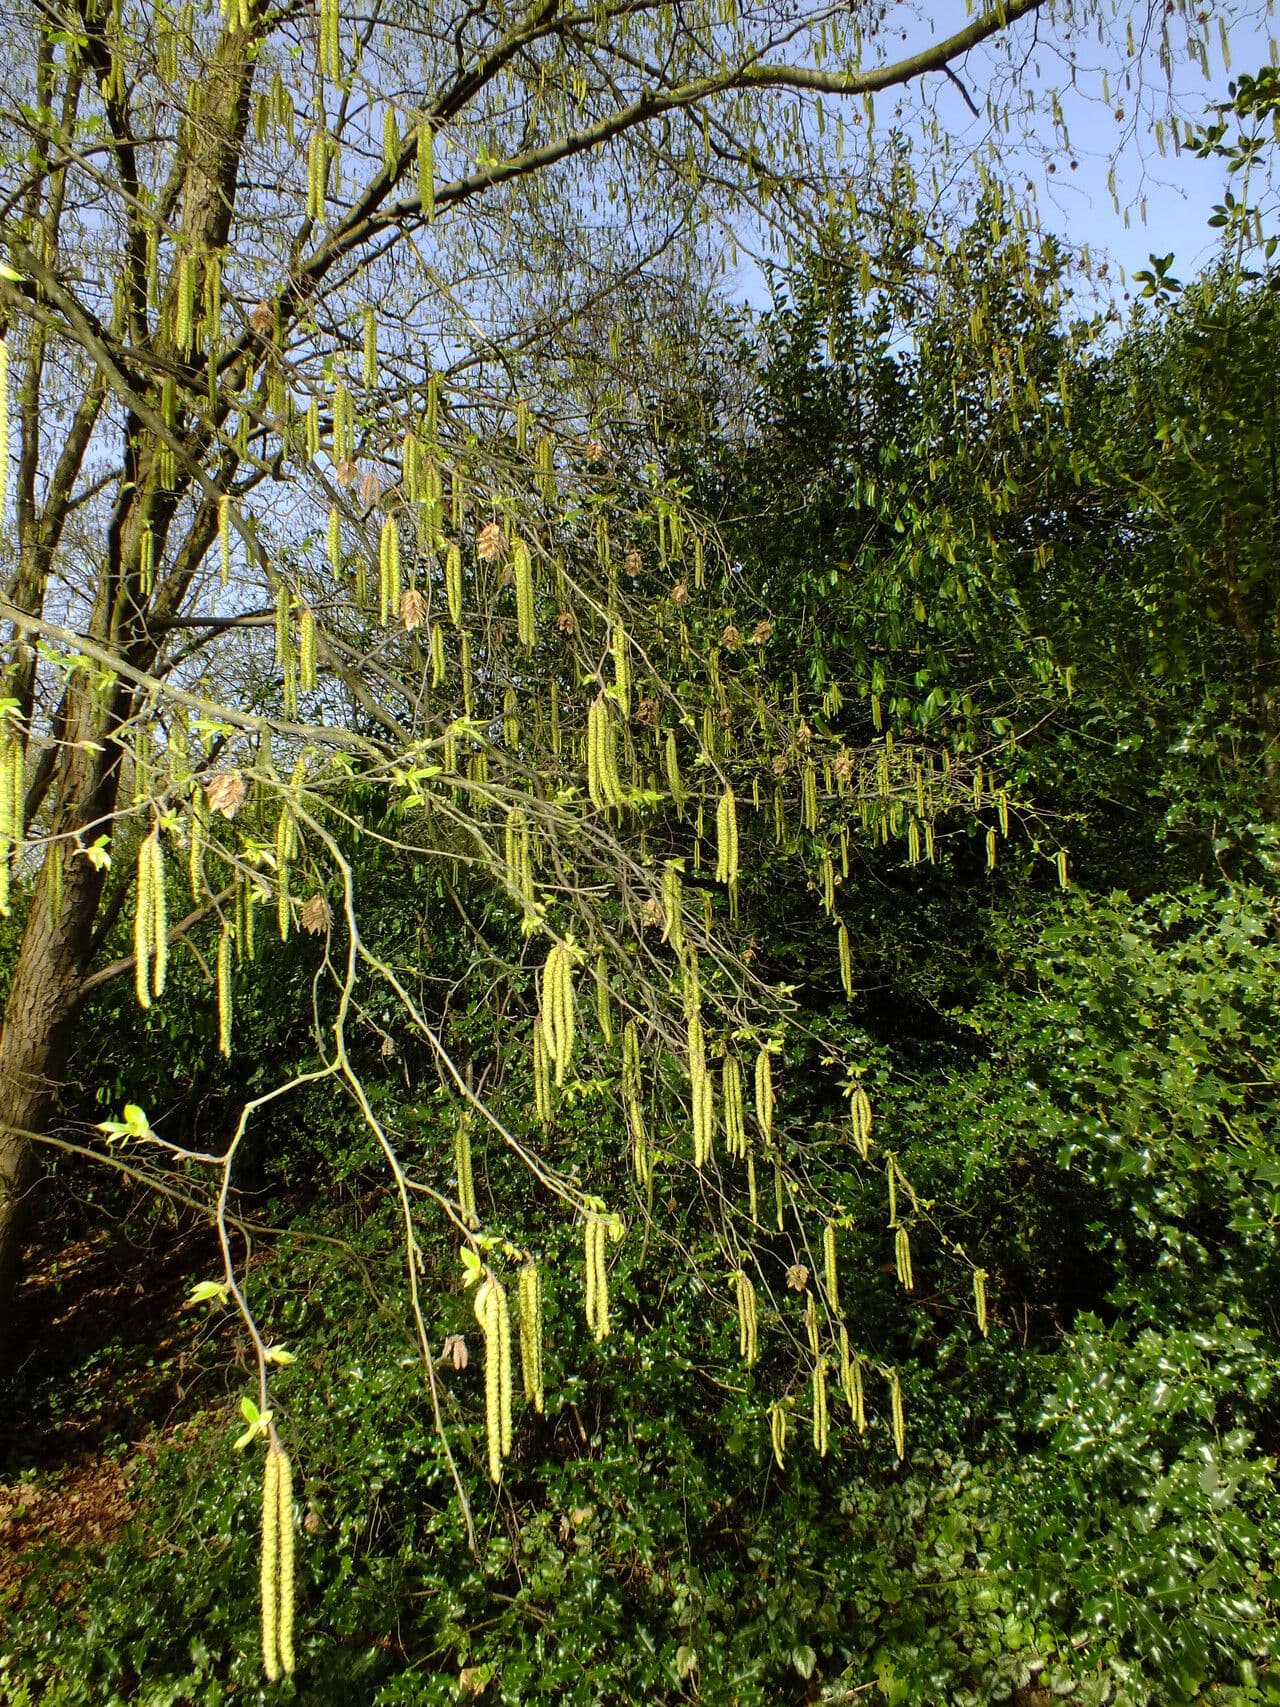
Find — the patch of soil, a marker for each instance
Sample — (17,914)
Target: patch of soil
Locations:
(80,1506)
(104,1349)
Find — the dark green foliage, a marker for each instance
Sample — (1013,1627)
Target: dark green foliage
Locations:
(1080,1088)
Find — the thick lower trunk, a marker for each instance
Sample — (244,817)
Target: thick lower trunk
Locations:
(35,1038)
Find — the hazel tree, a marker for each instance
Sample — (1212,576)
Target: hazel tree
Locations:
(308,504)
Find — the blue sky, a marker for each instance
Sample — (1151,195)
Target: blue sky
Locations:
(1179,191)
(1168,198)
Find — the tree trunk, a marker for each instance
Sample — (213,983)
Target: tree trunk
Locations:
(42,1006)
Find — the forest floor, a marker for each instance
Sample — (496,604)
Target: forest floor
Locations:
(106,1362)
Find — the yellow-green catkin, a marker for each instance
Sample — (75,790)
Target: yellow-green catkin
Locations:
(830,1267)
(369,365)
(631,1094)
(604,784)
(604,1004)
(463,1172)
(811,1322)
(530,1298)
(270,1565)
(284,1625)
(595,1233)
(224,539)
(224,991)
(518,855)
(453,583)
(4,425)
(522,571)
(902,1257)
(286,847)
(12,807)
(764,1094)
(821,1416)
(150,927)
(735,1130)
(896,1415)
(846,960)
(748,1320)
(851,1381)
(980,1299)
(827,883)
(427,168)
(307,672)
(493,1315)
(701,1091)
(860,1116)
(675,782)
(276,1563)
(620,646)
(390,138)
(541,1076)
(559,1011)
(673,906)
(388,570)
(727,839)
(809,795)
(778,1434)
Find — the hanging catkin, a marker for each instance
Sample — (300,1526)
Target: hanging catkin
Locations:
(673,906)
(846,960)
(830,1268)
(519,855)
(4,424)
(522,570)
(427,168)
(558,1015)
(809,796)
(764,1094)
(604,1006)
(778,1434)
(307,649)
(896,1414)
(530,1297)
(748,1322)
(604,785)
(277,1564)
(150,927)
(388,571)
(902,1257)
(821,1421)
(980,1299)
(270,1565)
(462,1170)
(727,839)
(224,991)
(12,805)
(640,1151)
(735,1132)
(675,782)
(495,1323)
(541,1076)
(621,649)
(860,1115)
(453,583)
(595,1232)
(701,1091)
